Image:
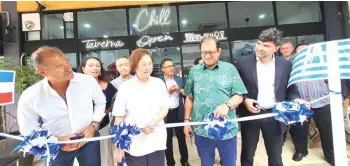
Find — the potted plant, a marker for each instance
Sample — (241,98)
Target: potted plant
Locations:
(25,77)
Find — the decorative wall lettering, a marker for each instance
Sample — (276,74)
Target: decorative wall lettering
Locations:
(153,19)
(105,44)
(148,41)
(193,38)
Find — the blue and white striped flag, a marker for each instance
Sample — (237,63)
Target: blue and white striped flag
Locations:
(311,62)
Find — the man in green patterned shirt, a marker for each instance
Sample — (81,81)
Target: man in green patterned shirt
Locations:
(213,86)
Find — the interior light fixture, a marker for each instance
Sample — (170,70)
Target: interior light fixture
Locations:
(87,25)
(261,16)
(184,22)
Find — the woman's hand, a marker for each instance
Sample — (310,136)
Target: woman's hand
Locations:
(148,129)
(118,155)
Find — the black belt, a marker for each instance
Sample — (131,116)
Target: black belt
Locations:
(173,109)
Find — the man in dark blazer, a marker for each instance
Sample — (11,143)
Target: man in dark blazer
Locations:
(266,78)
(174,85)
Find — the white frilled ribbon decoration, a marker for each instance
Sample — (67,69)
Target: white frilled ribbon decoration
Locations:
(41,143)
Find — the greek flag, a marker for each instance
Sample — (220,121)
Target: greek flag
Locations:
(311,62)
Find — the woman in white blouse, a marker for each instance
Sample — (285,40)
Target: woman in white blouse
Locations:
(143,100)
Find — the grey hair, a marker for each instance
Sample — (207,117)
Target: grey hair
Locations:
(37,56)
(285,41)
(271,35)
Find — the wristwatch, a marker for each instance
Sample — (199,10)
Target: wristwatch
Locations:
(95,124)
(228,104)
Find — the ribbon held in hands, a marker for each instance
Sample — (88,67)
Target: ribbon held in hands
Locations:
(217,128)
(122,136)
(290,112)
(41,143)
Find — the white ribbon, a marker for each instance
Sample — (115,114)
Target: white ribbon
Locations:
(162,125)
(12,136)
(254,117)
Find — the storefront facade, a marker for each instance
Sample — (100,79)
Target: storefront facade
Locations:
(172,30)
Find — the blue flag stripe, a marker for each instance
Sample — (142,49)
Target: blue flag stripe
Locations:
(297,65)
(343,59)
(342,75)
(314,76)
(344,43)
(343,51)
(6,76)
(301,54)
(320,76)
(299,58)
(344,67)
(310,69)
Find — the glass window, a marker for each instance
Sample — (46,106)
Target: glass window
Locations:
(243,48)
(310,39)
(202,17)
(107,58)
(102,23)
(72,57)
(32,35)
(52,26)
(191,52)
(152,20)
(293,12)
(255,14)
(172,53)
(69,30)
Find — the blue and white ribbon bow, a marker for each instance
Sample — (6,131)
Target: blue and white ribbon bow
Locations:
(217,128)
(41,143)
(122,136)
(290,112)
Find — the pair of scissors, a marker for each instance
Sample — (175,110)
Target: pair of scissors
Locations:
(78,136)
(256,105)
(191,136)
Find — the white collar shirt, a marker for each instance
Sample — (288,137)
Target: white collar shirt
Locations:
(266,83)
(40,101)
(174,97)
(139,103)
(118,81)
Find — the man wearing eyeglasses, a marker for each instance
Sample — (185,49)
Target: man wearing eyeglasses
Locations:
(213,86)
(176,112)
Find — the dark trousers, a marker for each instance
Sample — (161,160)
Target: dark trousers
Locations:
(89,154)
(153,159)
(206,150)
(272,134)
(172,118)
(323,121)
(299,133)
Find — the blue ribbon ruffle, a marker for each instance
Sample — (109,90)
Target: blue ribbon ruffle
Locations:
(37,143)
(217,128)
(123,134)
(290,112)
